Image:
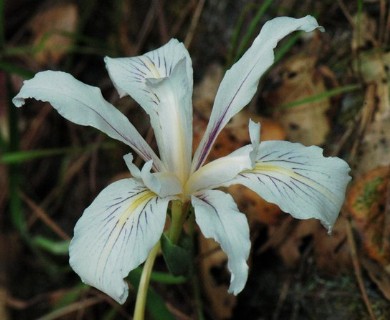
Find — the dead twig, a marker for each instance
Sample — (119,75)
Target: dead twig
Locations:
(42,215)
(358,270)
(56,314)
(194,23)
(146,27)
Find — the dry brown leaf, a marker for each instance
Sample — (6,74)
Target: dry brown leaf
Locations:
(51,29)
(289,238)
(300,79)
(332,254)
(365,30)
(290,247)
(216,279)
(373,148)
(205,91)
(366,202)
(236,133)
(256,208)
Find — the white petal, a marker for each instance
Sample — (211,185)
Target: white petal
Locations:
(254,134)
(218,217)
(221,170)
(162,183)
(161,82)
(299,179)
(134,170)
(115,234)
(240,82)
(84,105)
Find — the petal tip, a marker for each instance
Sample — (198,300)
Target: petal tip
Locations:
(18,101)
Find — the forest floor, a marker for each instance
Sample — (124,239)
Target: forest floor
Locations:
(329,89)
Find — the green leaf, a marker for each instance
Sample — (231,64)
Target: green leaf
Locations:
(14,69)
(162,277)
(52,246)
(177,257)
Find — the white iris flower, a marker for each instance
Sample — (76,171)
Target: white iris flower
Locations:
(118,230)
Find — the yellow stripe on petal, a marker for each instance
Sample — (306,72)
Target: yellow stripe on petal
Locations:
(115,235)
(299,179)
(141,199)
(262,168)
(135,207)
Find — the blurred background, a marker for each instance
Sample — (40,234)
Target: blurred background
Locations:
(329,89)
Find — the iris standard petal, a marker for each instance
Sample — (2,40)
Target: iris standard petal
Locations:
(299,179)
(218,217)
(161,82)
(217,172)
(115,234)
(162,183)
(240,82)
(85,105)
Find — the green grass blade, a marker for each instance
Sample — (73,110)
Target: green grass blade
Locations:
(14,69)
(14,178)
(23,156)
(321,96)
(51,246)
(253,27)
(286,46)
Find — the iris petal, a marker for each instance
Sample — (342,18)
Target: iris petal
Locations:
(240,82)
(217,215)
(85,105)
(161,82)
(115,234)
(299,179)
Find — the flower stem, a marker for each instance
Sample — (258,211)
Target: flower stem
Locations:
(178,217)
(139,311)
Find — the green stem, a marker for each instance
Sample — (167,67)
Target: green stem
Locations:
(139,311)
(178,216)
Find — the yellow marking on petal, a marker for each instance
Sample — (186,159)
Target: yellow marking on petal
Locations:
(261,167)
(151,66)
(136,202)
(140,199)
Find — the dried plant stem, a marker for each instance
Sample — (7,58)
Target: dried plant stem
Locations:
(358,271)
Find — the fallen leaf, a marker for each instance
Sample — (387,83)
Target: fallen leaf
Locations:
(365,30)
(256,208)
(331,251)
(373,135)
(298,78)
(216,279)
(291,237)
(366,201)
(51,30)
